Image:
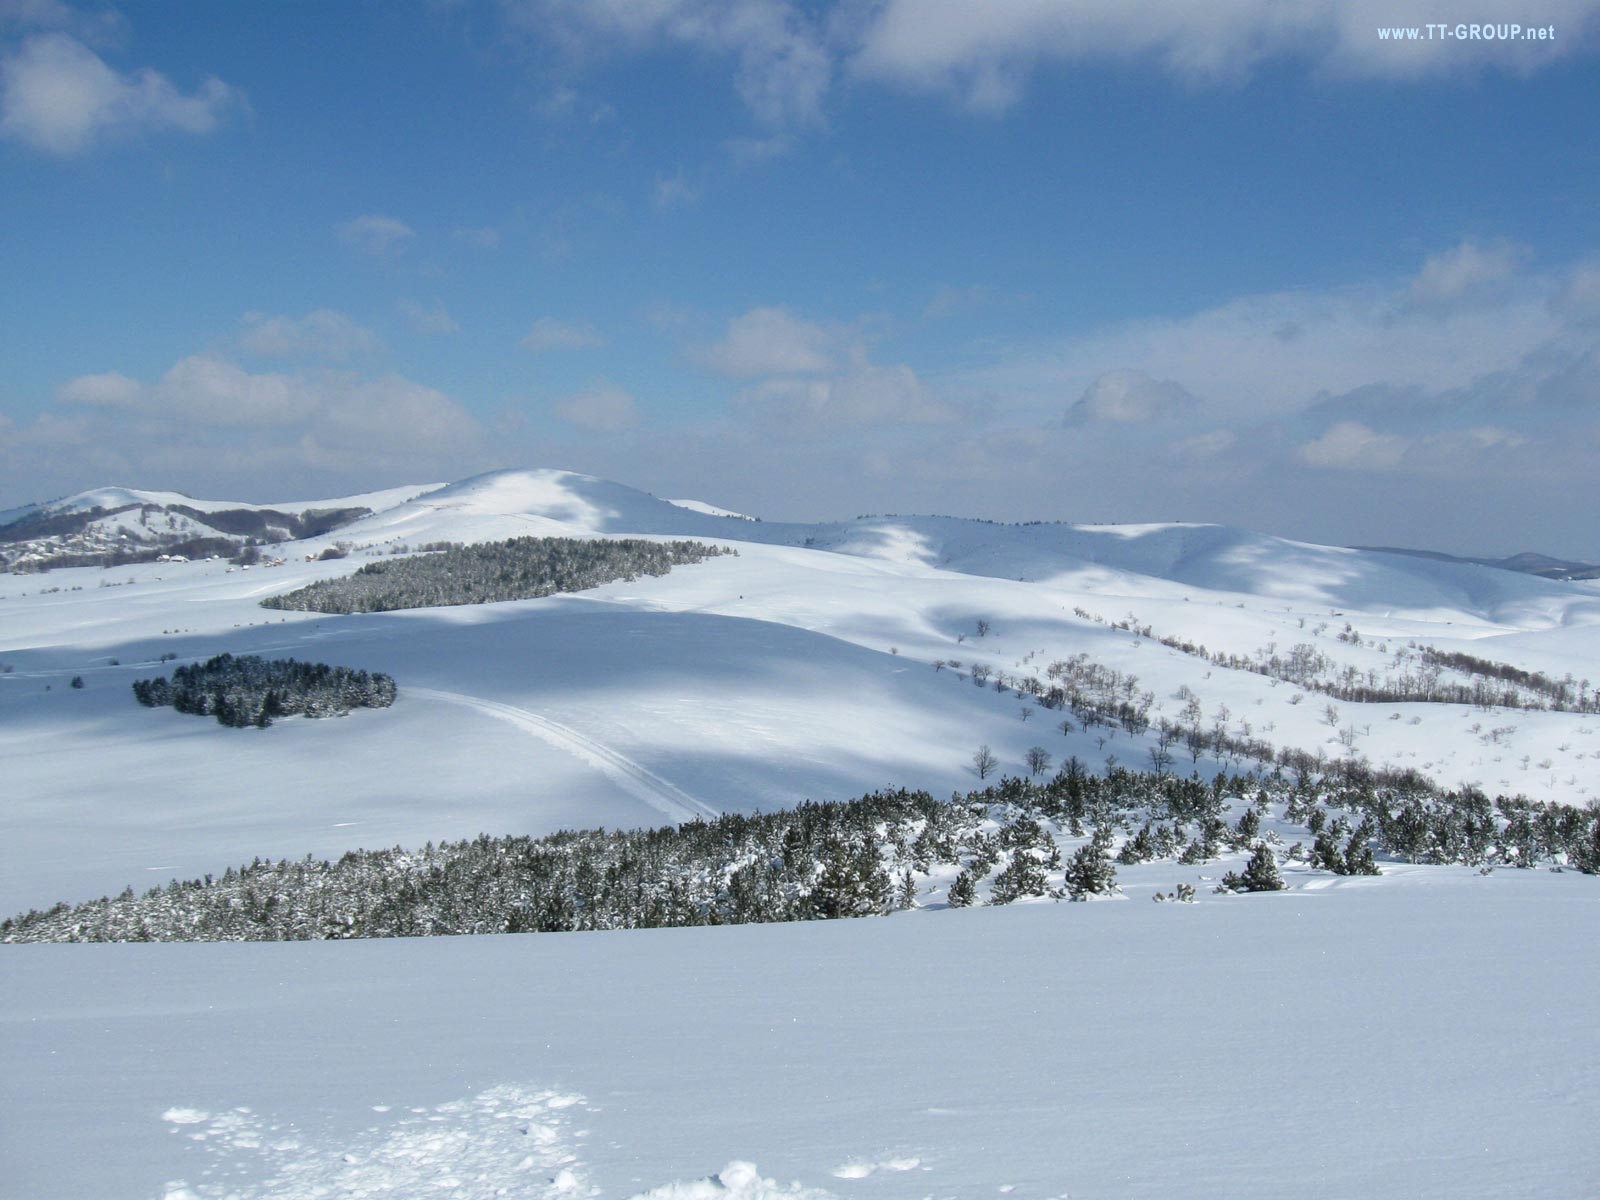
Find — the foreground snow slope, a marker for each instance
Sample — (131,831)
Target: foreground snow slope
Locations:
(1430,1033)
(787,672)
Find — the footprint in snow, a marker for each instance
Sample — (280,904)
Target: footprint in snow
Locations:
(860,1170)
(507,1141)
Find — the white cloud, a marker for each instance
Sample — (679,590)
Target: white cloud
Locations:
(389,414)
(59,96)
(604,408)
(376,234)
(1203,446)
(674,191)
(105,27)
(208,415)
(1271,355)
(1130,397)
(484,237)
(1351,446)
(322,333)
(1465,270)
(427,320)
(861,395)
(748,151)
(547,334)
(110,390)
(770,341)
(212,391)
(985,53)
(783,67)
(807,377)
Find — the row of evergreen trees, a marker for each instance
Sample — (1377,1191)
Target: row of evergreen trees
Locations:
(250,690)
(870,855)
(518,569)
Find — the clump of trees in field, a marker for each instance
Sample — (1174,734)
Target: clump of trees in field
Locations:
(519,569)
(249,690)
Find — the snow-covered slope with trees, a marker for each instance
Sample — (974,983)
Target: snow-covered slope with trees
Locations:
(987,1050)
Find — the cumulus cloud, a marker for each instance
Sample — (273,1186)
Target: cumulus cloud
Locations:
(805,377)
(603,408)
(376,234)
(1130,397)
(206,405)
(1465,270)
(212,391)
(322,333)
(770,341)
(548,333)
(109,390)
(59,96)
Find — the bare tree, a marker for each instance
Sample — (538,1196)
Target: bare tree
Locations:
(1038,760)
(984,762)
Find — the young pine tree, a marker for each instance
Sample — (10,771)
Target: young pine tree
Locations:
(1090,872)
(964,891)
(1260,874)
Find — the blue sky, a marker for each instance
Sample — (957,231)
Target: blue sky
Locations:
(1057,259)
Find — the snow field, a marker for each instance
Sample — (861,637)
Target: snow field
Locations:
(1429,1034)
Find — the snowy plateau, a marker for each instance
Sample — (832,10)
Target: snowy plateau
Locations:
(1432,1030)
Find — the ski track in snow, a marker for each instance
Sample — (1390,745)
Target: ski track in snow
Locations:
(636,780)
(507,1141)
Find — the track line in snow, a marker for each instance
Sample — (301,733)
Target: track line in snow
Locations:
(636,780)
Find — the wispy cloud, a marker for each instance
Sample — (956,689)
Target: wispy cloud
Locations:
(323,334)
(427,320)
(805,377)
(781,59)
(548,334)
(376,234)
(984,54)
(603,408)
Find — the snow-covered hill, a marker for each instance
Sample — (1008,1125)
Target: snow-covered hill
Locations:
(1425,1032)
(813,664)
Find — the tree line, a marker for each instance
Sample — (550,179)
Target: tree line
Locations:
(1063,838)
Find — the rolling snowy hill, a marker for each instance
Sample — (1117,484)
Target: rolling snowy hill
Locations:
(803,667)
(1254,1045)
